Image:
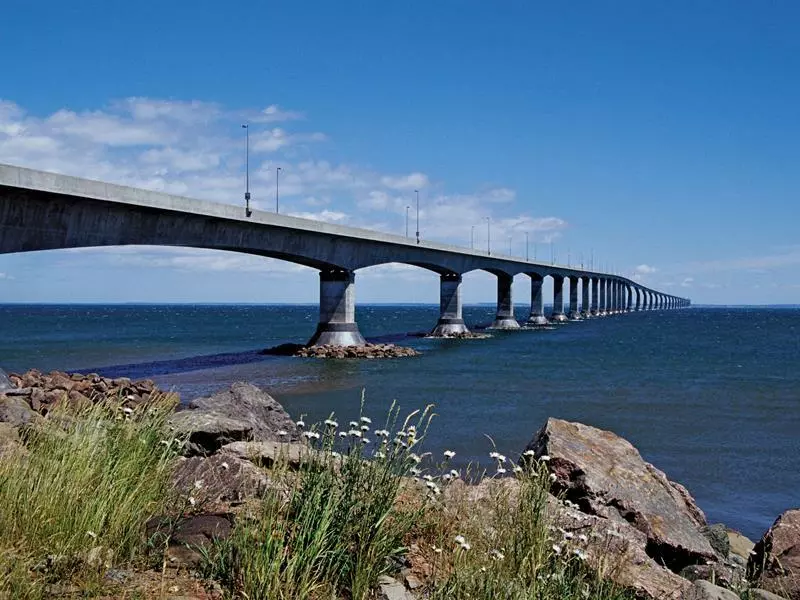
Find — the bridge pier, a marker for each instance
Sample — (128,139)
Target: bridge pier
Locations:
(574,314)
(600,289)
(537,301)
(558,315)
(337,310)
(595,283)
(451,319)
(638,299)
(586,310)
(505,306)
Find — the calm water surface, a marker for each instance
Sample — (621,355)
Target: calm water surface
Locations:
(710,396)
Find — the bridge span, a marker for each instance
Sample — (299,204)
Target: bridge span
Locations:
(45,211)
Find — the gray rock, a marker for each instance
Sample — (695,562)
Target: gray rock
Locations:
(391,589)
(187,537)
(606,476)
(775,563)
(717,536)
(16,411)
(740,545)
(9,438)
(757,594)
(5,383)
(207,431)
(247,403)
(704,590)
(218,478)
(266,454)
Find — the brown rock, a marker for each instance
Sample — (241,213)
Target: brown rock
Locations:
(606,476)
(704,590)
(15,411)
(266,454)
(186,537)
(740,545)
(9,438)
(217,479)
(775,563)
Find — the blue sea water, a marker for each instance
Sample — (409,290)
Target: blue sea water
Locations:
(709,395)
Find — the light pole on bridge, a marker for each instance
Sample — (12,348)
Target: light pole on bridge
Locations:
(527,258)
(247,211)
(417,193)
(407,207)
(472,237)
(488,235)
(277,181)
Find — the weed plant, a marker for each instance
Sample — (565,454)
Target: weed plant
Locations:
(75,498)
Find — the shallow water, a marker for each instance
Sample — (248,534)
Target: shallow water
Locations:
(710,396)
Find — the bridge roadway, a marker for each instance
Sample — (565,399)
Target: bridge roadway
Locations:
(45,211)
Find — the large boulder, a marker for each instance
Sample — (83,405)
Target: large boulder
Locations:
(606,476)
(16,411)
(617,551)
(219,479)
(705,590)
(5,382)
(241,413)
(775,562)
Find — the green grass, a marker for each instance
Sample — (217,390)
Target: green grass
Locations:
(75,498)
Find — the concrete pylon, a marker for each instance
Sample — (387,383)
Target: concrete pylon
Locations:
(504,318)
(537,301)
(638,299)
(601,287)
(337,310)
(586,309)
(595,285)
(574,313)
(451,319)
(558,315)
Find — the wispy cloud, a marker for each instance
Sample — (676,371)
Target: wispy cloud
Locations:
(196,149)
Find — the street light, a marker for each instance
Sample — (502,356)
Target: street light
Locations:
(417,193)
(247,211)
(510,245)
(407,207)
(472,237)
(527,258)
(488,235)
(277,183)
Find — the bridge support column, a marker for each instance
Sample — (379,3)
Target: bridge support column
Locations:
(337,310)
(505,306)
(638,299)
(558,315)
(574,314)
(451,320)
(601,288)
(595,282)
(537,301)
(586,310)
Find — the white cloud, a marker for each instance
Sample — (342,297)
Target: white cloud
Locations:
(687,282)
(413,181)
(642,271)
(196,149)
(275,114)
(5,276)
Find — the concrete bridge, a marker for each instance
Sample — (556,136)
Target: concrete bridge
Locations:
(44,211)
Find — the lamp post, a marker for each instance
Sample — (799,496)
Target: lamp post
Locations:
(527,258)
(247,211)
(407,207)
(552,253)
(488,235)
(510,245)
(472,237)
(277,184)
(417,193)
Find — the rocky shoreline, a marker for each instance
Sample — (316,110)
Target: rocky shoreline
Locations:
(606,502)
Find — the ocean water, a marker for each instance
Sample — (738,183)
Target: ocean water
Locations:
(710,396)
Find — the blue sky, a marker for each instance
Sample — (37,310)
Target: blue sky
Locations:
(660,136)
